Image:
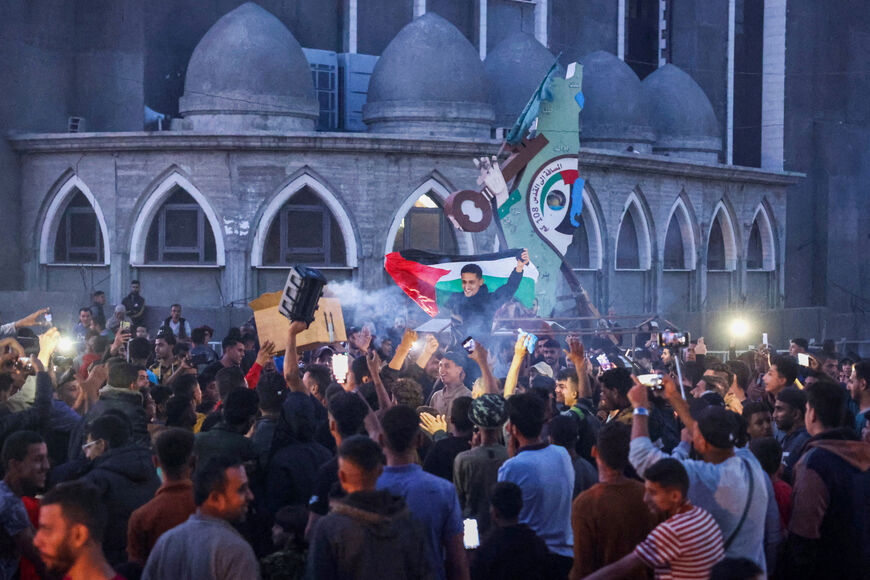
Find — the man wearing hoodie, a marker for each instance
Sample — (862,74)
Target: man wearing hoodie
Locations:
(124,475)
(829,533)
(118,394)
(369,534)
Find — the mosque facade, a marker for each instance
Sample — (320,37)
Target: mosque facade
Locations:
(299,137)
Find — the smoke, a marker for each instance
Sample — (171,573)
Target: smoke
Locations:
(378,308)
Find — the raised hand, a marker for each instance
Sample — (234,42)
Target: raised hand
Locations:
(431,424)
(409,338)
(265,353)
(638,395)
(491,179)
(30,319)
(479,354)
(373,361)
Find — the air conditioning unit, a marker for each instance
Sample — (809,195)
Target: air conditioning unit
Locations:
(76,125)
(355,71)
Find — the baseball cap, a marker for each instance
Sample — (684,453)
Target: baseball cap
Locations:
(718,426)
(488,411)
(543,369)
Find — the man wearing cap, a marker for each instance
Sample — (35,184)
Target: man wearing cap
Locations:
(451,372)
(728,483)
(541,369)
(475,471)
(788,414)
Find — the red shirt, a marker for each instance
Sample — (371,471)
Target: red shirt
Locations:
(782,493)
(171,506)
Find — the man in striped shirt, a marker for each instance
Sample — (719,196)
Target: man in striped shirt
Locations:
(685,546)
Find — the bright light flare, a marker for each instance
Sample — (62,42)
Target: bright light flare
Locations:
(739,328)
(65,344)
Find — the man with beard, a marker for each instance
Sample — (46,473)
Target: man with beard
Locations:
(207,545)
(25,460)
(788,414)
(72,522)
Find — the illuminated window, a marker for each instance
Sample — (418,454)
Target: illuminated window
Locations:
(425,227)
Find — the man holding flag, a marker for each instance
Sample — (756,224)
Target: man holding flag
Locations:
(475,306)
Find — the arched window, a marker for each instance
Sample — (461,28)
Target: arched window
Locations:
(304,231)
(79,239)
(754,251)
(578,254)
(679,249)
(721,244)
(760,249)
(425,227)
(716,247)
(180,233)
(675,257)
(627,245)
(585,251)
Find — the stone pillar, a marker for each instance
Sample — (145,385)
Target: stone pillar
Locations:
(773,86)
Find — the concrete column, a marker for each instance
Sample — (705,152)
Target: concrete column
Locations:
(119,277)
(729,118)
(352,26)
(419,8)
(620,29)
(773,86)
(541,22)
(481,36)
(234,279)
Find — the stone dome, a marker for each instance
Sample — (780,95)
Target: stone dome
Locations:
(248,73)
(614,115)
(429,81)
(514,69)
(682,115)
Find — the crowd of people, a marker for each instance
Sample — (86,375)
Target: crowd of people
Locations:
(131,457)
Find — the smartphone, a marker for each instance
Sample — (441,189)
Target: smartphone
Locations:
(803,359)
(764,339)
(340,367)
(468,345)
(670,338)
(47,317)
(653,381)
(604,362)
(470,537)
(124,325)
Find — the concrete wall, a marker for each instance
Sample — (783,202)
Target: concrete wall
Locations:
(370,177)
(578,28)
(34,36)
(699,46)
(827,132)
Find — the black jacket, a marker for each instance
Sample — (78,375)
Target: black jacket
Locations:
(477,311)
(369,535)
(126,479)
(511,552)
(125,400)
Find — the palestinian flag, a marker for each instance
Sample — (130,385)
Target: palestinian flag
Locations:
(430,279)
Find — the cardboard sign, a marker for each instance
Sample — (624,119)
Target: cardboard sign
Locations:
(327,327)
